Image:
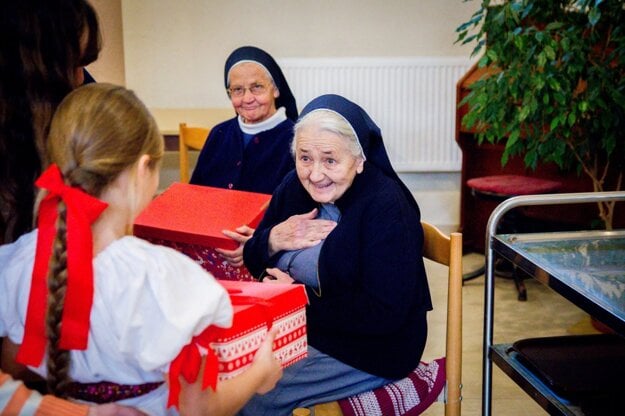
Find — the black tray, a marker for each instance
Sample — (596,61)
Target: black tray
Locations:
(585,369)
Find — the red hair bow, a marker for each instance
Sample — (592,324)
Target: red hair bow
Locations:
(82,211)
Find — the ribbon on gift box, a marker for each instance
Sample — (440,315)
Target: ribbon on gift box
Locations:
(237,299)
(188,362)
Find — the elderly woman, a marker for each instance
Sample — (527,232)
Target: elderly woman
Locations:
(346,226)
(250,152)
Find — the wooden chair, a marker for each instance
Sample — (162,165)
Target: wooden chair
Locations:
(446,250)
(189,138)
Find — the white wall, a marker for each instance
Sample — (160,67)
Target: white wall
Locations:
(175,50)
(109,67)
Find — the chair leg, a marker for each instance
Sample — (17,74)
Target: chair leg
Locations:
(519,282)
(473,274)
(328,409)
(475,268)
(323,409)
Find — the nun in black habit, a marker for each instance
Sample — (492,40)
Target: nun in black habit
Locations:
(250,152)
(344,225)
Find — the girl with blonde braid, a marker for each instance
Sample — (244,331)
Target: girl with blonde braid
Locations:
(99,313)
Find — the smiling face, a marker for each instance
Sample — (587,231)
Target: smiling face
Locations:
(325,165)
(258,101)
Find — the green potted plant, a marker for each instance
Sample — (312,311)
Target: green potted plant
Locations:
(555,88)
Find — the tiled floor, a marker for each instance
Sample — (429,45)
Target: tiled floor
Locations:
(543,314)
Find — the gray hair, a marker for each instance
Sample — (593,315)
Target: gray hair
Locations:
(333,122)
(249,61)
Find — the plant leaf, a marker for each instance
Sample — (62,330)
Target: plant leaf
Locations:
(525,111)
(594,15)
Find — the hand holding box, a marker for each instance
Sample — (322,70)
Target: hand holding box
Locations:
(191,218)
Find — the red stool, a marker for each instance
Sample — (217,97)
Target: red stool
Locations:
(506,186)
(502,187)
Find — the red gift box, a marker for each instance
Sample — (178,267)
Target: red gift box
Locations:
(255,306)
(190,218)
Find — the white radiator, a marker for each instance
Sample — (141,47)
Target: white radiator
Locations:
(411,99)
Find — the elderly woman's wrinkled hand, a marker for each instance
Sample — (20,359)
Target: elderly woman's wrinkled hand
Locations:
(275,275)
(298,232)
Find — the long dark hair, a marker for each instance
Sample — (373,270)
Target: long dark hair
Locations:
(43,44)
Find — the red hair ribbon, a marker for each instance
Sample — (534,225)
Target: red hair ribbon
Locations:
(82,211)
(189,360)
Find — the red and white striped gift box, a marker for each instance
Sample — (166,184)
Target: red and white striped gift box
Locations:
(255,306)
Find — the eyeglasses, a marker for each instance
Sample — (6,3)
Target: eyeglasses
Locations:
(255,89)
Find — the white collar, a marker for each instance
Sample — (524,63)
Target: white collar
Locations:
(278,117)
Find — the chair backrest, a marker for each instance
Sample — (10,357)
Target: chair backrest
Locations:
(189,138)
(447,250)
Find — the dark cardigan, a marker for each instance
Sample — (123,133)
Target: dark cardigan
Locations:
(370,310)
(225,163)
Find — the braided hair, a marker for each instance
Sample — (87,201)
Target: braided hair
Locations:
(98,131)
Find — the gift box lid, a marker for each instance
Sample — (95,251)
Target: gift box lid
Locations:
(197,214)
(258,303)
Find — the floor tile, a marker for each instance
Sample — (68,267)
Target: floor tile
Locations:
(543,314)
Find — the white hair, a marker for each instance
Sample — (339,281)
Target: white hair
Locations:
(249,61)
(333,122)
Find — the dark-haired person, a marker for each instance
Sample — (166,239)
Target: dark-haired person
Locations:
(44,46)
